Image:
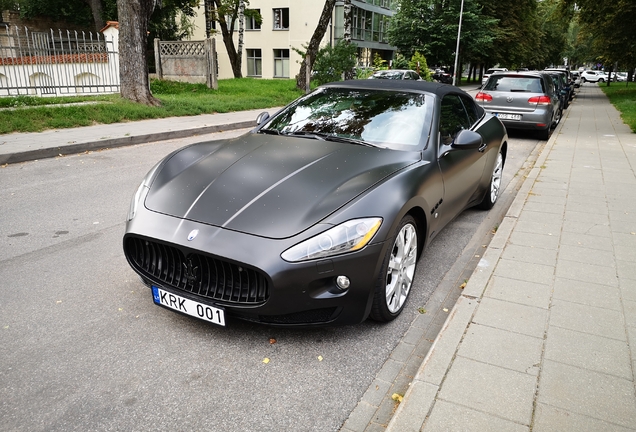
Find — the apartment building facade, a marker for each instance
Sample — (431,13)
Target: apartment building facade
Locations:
(269,47)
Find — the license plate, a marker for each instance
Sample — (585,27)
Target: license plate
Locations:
(202,311)
(509,116)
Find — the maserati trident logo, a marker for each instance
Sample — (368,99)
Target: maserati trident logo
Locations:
(193,234)
(190,271)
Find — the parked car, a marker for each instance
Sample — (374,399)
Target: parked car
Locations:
(443,76)
(319,214)
(490,72)
(396,74)
(522,100)
(576,78)
(593,76)
(619,76)
(565,91)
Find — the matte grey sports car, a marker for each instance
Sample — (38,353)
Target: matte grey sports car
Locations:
(318,215)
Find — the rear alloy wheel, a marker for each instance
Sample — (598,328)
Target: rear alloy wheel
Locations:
(495,184)
(396,278)
(601,80)
(557,118)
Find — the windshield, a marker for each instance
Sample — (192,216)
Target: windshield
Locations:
(377,117)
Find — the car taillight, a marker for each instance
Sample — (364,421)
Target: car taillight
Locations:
(483,97)
(539,100)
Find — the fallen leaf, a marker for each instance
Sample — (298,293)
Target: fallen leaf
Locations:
(319,358)
(421,310)
(396,397)
(462,286)
(272,341)
(120,309)
(445,310)
(58,301)
(265,360)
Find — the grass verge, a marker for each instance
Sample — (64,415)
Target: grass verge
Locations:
(623,97)
(35,114)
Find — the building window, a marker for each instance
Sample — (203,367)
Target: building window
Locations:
(254,62)
(281,63)
(281,19)
(250,21)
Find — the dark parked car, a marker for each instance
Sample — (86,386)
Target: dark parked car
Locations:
(319,214)
(443,76)
(522,100)
(396,74)
(566,83)
(561,88)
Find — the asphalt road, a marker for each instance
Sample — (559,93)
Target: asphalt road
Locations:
(83,347)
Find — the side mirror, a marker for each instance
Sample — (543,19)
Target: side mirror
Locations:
(262,118)
(467,139)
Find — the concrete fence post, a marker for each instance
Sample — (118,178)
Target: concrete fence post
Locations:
(158,69)
(210,55)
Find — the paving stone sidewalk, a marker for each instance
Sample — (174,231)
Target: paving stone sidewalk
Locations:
(544,336)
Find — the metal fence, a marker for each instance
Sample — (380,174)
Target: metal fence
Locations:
(57,64)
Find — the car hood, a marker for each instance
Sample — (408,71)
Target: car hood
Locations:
(266,185)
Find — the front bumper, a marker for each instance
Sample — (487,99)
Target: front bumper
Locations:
(297,293)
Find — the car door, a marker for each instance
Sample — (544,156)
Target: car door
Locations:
(461,168)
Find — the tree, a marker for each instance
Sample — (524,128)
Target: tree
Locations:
(418,63)
(609,27)
(227,13)
(97,12)
(134,16)
(332,62)
(314,42)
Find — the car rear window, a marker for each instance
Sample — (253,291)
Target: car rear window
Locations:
(507,83)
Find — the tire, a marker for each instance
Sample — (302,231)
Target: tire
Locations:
(583,80)
(398,268)
(494,188)
(557,119)
(601,80)
(544,135)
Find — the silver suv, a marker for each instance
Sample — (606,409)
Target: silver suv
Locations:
(522,100)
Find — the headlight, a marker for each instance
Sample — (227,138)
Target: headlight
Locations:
(347,237)
(142,191)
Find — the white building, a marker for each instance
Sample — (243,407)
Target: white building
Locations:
(287,24)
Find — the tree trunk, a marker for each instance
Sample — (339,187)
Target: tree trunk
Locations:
(96,9)
(314,43)
(347,33)
(241,20)
(133,37)
(347,21)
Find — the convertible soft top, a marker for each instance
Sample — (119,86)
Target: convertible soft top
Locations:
(430,87)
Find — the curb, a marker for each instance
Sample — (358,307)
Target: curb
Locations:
(50,152)
(422,393)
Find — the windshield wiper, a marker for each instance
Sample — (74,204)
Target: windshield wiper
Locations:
(328,137)
(307,134)
(269,131)
(337,138)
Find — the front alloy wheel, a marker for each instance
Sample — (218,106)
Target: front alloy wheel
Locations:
(395,282)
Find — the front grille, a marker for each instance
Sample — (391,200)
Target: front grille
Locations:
(196,273)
